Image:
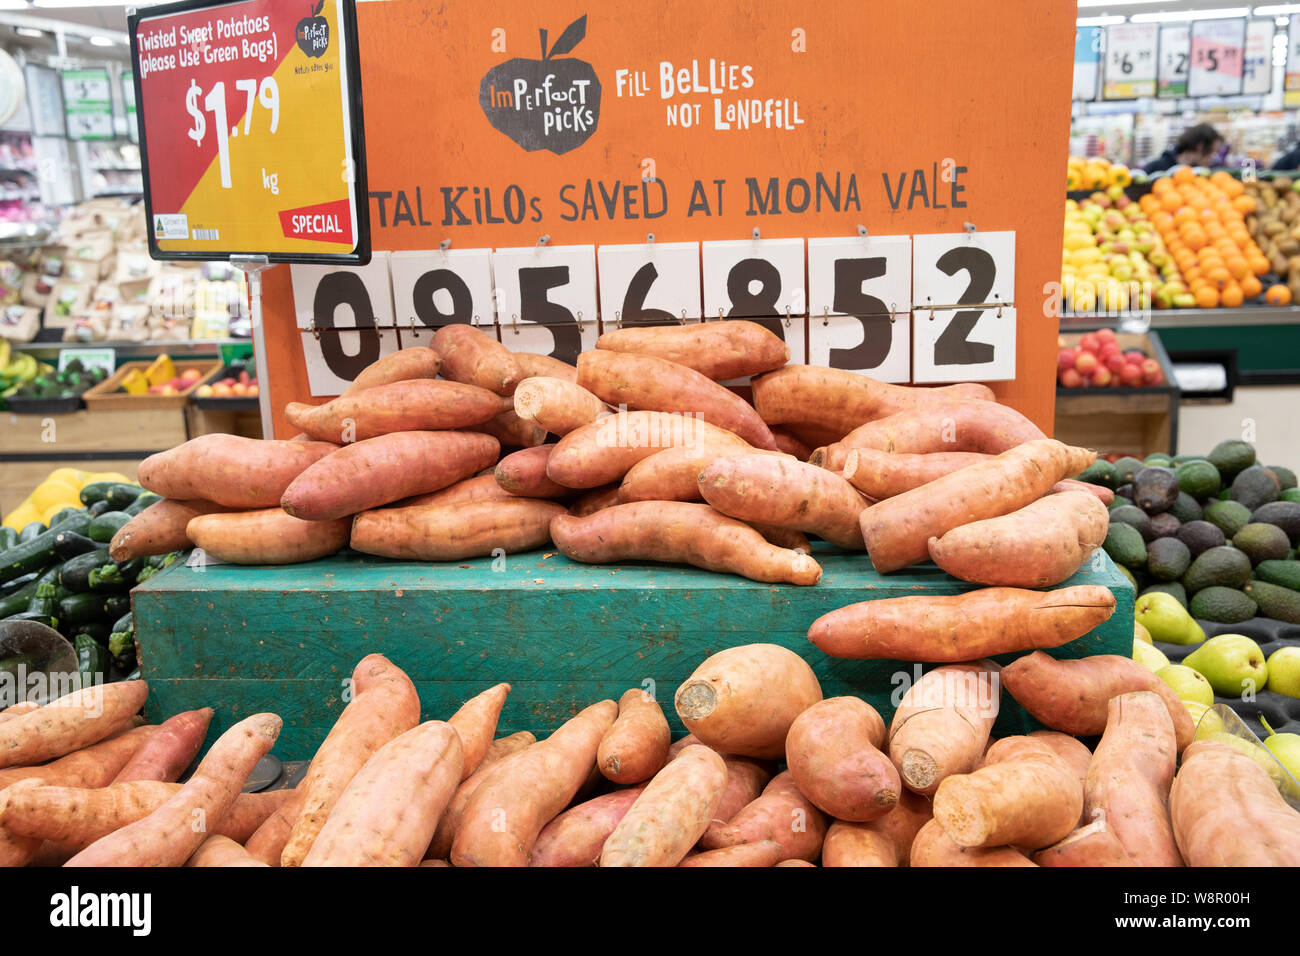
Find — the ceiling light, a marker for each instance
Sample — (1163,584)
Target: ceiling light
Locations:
(29,32)
(101,41)
(1083,4)
(1277,9)
(1098,21)
(1167,16)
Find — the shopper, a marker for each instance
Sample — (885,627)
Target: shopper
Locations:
(1196,146)
(1290,159)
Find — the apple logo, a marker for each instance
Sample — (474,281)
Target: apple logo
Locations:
(313,32)
(550,103)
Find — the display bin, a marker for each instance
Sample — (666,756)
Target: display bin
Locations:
(106,397)
(1126,421)
(285,639)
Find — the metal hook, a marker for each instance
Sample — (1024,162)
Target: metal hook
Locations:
(618,319)
(514,319)
(444,245)
(719,311)
(580,329)
(862,231)
(649,237)
(543,240)
(970,229)
(999,310)
(473,321)
(757,235)
(932,315)
(683,321)
(893,312)
(826,315)
(787,317)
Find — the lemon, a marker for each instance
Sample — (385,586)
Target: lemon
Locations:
(72,476)
(22,516)
(51,492)
(54,509)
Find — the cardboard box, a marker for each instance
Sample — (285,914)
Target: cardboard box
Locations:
(19,323)
(65,302)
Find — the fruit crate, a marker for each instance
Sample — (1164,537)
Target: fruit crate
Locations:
(1127,420)
(106,397)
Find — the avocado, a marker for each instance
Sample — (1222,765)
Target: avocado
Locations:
(1100,472)
(1186,509)
(1201,536)
(1125,546)
(1232,458)
(1285,476)
(1125,491)
(1262,542)
(1284,514)
(1135,516)
(1126,468)
(1224,566)
(1178,592)
(1285,572)
(1155,490)
(1228,516)
(1164,525)
(1290,494)
(1157,459)
(1275,601)
(1199,479)
(1255,487)
(1168,559)
(1184,459)
(1222,605)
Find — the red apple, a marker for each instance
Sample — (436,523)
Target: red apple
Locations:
(1130,375)
(252,391)
(1090,343)
(1108,349)
(1101,377)
(1115,363)
(244,377)
(1106,335)
(1070,378)
(191,374)
(1151,373)
(1135,358)
(1086,364)
(1065,359)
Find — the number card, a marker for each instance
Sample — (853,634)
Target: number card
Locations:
(546,299)
(651,283)
(1175,52)
(335,357)
(320,290)
(964,345)
(440,287)
(859,293)
(755,279)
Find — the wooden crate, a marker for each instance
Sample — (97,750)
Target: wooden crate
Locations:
(245,640)
(1130,421)
(207,421)
(105,395)
(59,437)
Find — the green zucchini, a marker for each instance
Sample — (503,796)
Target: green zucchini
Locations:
(93,659)
(117,605)
(120,496)
(125,623)
(69,544)
(31,532)
(43,601)
(96,629)
(96,491)
(80,608)
(47,620)
(17,602)
(142,502)
(103,527)
(8,537)
(63,516)
(134,675)
(17,584)
(28,556)
(98,508)
(121,645)
(114,576)
(75,573)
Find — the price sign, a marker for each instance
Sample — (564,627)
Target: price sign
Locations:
(105,359)
(546,299)
(440,287)
(1175,57)
(859,298)
(1087,62)
(652,283)
(1217,56)
(1130,61)
(88,104)
(128,100)
(250,123)
(1257,67)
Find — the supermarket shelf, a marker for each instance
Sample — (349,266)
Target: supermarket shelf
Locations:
(1194,318)
(176,349)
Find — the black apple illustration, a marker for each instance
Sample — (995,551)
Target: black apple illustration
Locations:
(549,103)
(314,32)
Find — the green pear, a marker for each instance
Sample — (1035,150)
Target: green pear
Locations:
(1140,633)
(1167,620)
(1232,663)
(1206,720)
(1190,686)
(1259,754)
(1284,671)
(1286,748)
(1150,657)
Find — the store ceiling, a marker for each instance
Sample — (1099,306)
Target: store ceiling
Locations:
(1096,8)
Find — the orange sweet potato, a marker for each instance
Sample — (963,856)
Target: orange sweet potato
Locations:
(266,843)
(1072,695)
(379,471)
(898,529)
(558,405)
(512,431)
(532,365)
(597,499)
(762,853)
(785,493)
(745,781)
(961,627)
(1038,546)
(673,474)
(742,700)
(884,842)
(720,351)
(476,722)
(1091,845)
(401,366)
(168,752)
(832,752)
(789,444)
(1104,495)
(69,723)
(1070,749)
(478,488)
(1129,778)
(158,529)
(523,473)
(230,470)
(456,531)
(576,836)
(415,405)
(781,814)
(93,766)
(449,822)
(934,847)
(883,474)
(219,850)
(942,724)
(679,532)
(636,746)
(266,536)
(473,357)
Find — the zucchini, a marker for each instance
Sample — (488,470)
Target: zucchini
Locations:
(142,502)
(75,573)
(122,495)
(28,556)
(69,544)
(103,527)
(43,601)
(17,602)
(39,618)
(81,608)
(96,629)
(93,659)
(121,645)
(17,584)
(96,491)
(116,606)
(97,509)
(8,537)
(125,623)
(31,532)
(63,516)
(115,577)
(134,675)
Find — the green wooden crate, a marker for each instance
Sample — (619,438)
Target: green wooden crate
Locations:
(243,640)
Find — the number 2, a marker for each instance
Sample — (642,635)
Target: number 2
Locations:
(953,346)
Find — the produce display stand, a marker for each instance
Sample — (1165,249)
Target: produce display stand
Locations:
(249,639)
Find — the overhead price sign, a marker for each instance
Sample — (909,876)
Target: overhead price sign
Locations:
(1130,61)
(251,130)
(1291,80)
(1175,60)
(1257,67)
(1217,57)
(1087,62)
(88,104)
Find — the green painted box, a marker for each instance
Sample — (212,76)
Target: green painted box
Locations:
(243,640)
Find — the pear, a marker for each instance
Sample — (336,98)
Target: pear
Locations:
(1167,620)
(1259,754)
(1140,633)
(1149,656)
(1190,686)
(1232,663)
(1284,671)
(1206,720)
(1286,748)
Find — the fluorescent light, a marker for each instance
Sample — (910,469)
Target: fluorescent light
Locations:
(1277,9)
(1084,4)
(1167,16)
(29,32)
(101,41)
(14,5)
(1098,21)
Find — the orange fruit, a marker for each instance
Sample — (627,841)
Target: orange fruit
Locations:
(1207,298)
(1195,239)
(1251,286)
(1244,204)
(1219,275)
(1184,175)
(1259,264)
(1278,295)
(1231,296)
(1171,201)
(1238,266)
(1184,215)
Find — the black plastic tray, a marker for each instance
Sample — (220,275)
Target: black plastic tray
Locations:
(44,406)
(242,403)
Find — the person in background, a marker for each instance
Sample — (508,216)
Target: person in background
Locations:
(1197,146)
(1290,159)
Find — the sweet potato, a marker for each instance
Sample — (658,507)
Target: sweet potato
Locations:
(449,822)
(671,814)
(230,470)
(883,474)
(173,748)
(576,836)
(532,365)
(679,532)
(742,700)
(841,401)
(219,850)
(1072,695)
(961,627)
(266,536)
(597,499)
(415,405)
(832,752)
(636,746)
(787,538)
(93,766)
(1070,749)
(785,493)
(523,473)
(18,709)
(384,705)
(476,722)
(789,444)
(782,814)
(379,471)
(71,722)
(883,842)
(266,843)
(762,853)
(401,366)
(1091,845)
(521,795)
(653,384)
(1129,777)
(558,405)
(898,529)
(1038,546)
(16,849)
(606,450)
(512,431)
(797,863)
(478,488)
(721,351)
(680,744)
(745,781)
(158,529)
(942,724)
(1102,494)
(1227,811)
(455,531)
(387,814)
(984,427)
(168,836)
(249,811)
(934,847)
(1029,797)
(673,474)
(473,357)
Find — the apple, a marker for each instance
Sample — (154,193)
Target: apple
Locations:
(203,391)
(1101,377)
(1115,363)
(221,390)
(1130,375)
(156,389)
(1066,359)
(1108,348)
(252,391)
(239,389)
(228,381)
(1135,358)
(1151,373)
(1086,364)
(243,377)
(1070,378)
(167,390)
(191,375)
